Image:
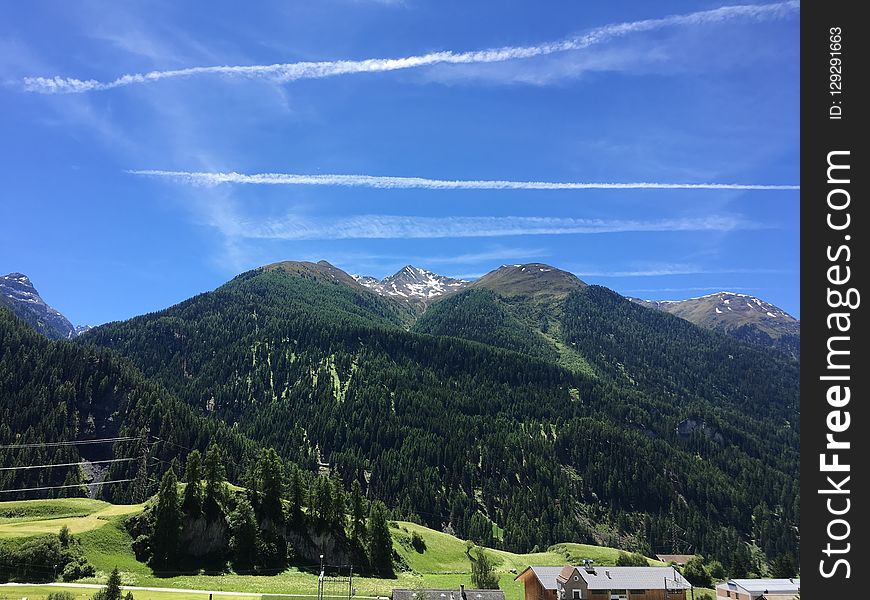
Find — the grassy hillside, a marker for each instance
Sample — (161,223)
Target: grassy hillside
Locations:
(443,563)
(37,517)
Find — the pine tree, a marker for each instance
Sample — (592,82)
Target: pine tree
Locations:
(339,507)
(167,521)
(243,534)
(192,501)
(357,515)
(270,485)
(112,590)
(295,492)
(215,476)
(380,540)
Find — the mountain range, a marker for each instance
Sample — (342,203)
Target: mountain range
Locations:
(520,409)
(745,317)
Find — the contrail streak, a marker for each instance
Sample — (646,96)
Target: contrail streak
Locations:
(285,72)
(293,227)
(386,182)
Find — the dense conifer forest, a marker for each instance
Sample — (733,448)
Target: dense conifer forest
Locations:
(516,421)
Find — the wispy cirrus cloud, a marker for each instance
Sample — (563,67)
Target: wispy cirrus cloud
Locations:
(294,227)
(391,182)
(676,269)
(287,72)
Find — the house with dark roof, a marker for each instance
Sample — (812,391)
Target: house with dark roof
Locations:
(758,589)
(604,583)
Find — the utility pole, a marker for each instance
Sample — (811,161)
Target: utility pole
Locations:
(320,581)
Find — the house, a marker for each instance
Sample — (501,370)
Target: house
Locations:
(758,589)
(604,583)
(678,559)
(539,582)
(454,594)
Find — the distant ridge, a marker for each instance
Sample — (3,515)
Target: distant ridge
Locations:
(743,316)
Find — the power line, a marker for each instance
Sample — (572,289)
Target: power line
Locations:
(69,443)
(69,464)
(57,487)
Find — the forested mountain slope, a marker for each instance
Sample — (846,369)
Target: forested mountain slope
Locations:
(643,427)
(57,391)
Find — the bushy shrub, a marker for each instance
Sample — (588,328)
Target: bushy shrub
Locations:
(695,572)
(631,559)
(418,542)
(77,569)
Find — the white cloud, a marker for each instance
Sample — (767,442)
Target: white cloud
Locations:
(294,227)
(286,72)
(388,182)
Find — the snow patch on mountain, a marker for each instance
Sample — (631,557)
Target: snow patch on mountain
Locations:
(412,283)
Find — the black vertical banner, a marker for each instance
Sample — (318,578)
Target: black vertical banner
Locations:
(834,225)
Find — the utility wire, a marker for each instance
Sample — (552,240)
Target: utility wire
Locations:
(69,464)
(57,487)
(69,443)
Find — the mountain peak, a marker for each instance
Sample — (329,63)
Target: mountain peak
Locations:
(320,271)
(537,280)
(20,296)
(19,278)
(412,283)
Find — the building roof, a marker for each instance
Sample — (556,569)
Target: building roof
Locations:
(647,578)
(680,559)
(565,574)
(546,575)
(433,594)
(764,586)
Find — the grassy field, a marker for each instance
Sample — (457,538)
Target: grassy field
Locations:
(37,517)
(444,563)
(26,510)
(37,592)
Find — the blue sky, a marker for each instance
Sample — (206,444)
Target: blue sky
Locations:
(559,92)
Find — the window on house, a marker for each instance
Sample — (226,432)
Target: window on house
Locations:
(576,594)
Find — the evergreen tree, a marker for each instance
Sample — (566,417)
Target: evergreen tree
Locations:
(357,515)
(112,591)
(783,567)
(483,574)
(295,492)
(243,534)
(215,477)
(741,563)
(270,485)
(192,501)
(167,519)
(64,536)
(380,539)
(339,505)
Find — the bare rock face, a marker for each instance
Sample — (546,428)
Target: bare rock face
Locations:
(18,294)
